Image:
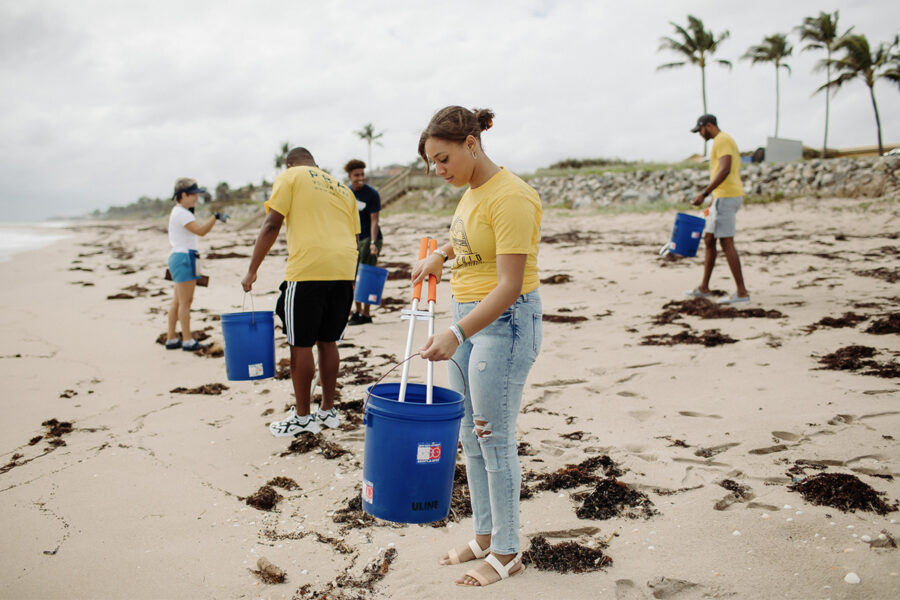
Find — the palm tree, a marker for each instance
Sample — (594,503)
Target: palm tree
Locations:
(860,62)
(281,157)
(822,33)
(368,134)
(697,45)
(774,49)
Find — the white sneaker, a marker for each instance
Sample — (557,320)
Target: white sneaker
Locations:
(294,425)
(328,418)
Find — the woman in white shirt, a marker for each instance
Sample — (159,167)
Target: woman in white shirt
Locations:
(183,232)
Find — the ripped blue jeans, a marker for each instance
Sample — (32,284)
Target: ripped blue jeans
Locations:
(496,362)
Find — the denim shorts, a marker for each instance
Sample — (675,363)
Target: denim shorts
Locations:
(182,266)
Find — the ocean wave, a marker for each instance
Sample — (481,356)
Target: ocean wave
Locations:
(22,238)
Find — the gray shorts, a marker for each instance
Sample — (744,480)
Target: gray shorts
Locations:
(722,216)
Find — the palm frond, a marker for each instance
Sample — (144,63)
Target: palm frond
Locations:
(821,32)
(693,42)
(836,83)
(673,65)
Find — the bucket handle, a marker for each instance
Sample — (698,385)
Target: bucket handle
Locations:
(252,307)
(369,392)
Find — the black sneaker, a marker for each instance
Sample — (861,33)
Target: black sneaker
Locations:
(354,318)
(360,319)
(173,344)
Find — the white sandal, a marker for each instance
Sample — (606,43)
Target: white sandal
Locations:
(453,555)
(502,570)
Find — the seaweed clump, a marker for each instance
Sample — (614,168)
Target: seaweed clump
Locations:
(207,389)
(612,498)
(842,491)
(56,428)
(859,358)
(305,443)
(709,338)
(265,498)
(849,319)
(572,476)
(565,557)
(352,516)
(703,308)
(889,324)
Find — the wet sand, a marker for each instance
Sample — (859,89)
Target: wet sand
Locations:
(129,471)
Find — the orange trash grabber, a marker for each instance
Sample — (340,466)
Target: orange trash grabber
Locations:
(426,247)
(432,298)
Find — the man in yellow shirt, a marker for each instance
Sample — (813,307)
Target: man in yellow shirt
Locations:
(727,196)
(322,227)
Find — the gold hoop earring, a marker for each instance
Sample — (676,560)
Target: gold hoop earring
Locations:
(473,155)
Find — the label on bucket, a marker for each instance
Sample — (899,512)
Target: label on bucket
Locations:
(373,298)
(695,234)
(368,492)
(428,453)
(255,370)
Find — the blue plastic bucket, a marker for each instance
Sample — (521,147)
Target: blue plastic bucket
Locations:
(369,284)
(686,234)
(410,453)
(249,345)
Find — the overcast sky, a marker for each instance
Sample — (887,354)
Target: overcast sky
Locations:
(104,102)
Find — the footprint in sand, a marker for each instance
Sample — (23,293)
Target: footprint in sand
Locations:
(698,476)
(697,461)
(769,449)
(553,448)
(787,436)
(875,472)
(739,493)
(641,415)
(838,419)
(881,414)
(690,413)
(627,590)
(567,533)
(713,450)
(869,457)
(663,587)
(762,506)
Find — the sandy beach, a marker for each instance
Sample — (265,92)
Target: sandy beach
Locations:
(138,491)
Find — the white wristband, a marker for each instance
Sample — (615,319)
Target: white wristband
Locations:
(457,334)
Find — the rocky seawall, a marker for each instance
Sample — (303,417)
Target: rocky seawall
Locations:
(838,177)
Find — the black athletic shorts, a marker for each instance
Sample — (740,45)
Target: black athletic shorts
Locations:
(314,311)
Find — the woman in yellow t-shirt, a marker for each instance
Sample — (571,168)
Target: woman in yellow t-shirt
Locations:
(496,331)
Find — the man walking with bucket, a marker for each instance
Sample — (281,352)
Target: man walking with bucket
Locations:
(370,240)
(317,293)
(727,196)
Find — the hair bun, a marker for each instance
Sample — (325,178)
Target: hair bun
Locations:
(485,118)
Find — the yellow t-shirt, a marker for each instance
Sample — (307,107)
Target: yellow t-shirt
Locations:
(501,216)
(322,222)
(723,145)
